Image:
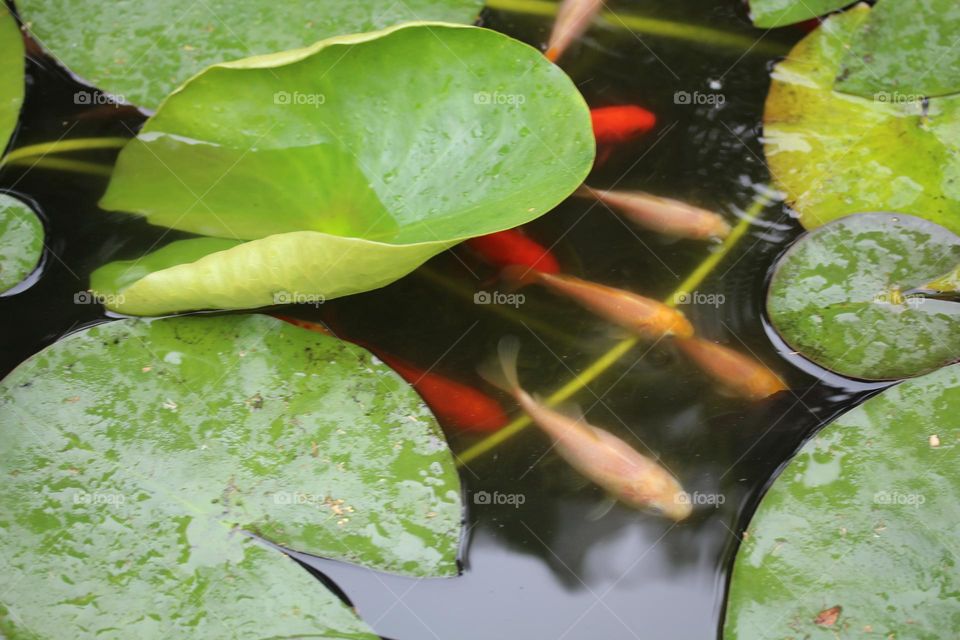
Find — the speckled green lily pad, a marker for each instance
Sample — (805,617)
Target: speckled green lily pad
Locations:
(778,13)
(21,241)
(840,296)
(835,154)
(136,454)
(141,50)
(857,536)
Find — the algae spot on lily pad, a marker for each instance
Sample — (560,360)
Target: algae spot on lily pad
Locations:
(835,154)
(139,456)
(857,536)
(21,241)
(841,296)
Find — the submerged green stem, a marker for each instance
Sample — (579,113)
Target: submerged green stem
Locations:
(62,164)
(653,27)
(611,357)
(63,146)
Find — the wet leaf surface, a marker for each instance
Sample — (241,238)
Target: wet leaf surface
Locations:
(21,241)
(136,454)
(905,49)
(779,13)
(839,297)
(142,50)
(835,154)
(867,515)
(349,164)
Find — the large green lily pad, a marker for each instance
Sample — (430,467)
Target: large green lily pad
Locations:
(136,454)
(21,241)
(839,296)
(835,154)
(906,49)
(141,50)
(348,164)
(866,517)
(11,75)
(779,13)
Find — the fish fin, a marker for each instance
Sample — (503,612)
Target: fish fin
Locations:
(502,372)
(552,54)
(517,276)
(584,191)
(601,509)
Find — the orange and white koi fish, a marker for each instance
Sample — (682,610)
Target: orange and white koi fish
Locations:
(662,215)
(573,19)
(737,373)
(646,317)
(625,473)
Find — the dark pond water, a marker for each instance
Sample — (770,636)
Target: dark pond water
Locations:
(544,568)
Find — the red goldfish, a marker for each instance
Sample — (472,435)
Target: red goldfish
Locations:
(573,19)
(605,459)
(737,373)
(646,317)
(621,123)
(453,403)
(512,247)
(662,215)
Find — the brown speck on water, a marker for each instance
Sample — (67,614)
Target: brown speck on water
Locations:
(254,402)
(72,399)
(828,617)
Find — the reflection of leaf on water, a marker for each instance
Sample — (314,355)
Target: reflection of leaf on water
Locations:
(840,297)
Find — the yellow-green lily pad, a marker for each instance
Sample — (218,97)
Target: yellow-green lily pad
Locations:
(835,154)
(21,241)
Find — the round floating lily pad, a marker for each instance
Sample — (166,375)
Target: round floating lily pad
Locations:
(21,241)
(857,536)
(835,154)
(11,75)
(137,454)
(840,297)
(141,50)
(346,165)
(905,49)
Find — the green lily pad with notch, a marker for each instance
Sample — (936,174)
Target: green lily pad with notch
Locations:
(865,518)
(839,297)
(12,71)
(780,13)
(140,456)
(141,50)
(348,164)
(21,241)
(835,154)
(906,49)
